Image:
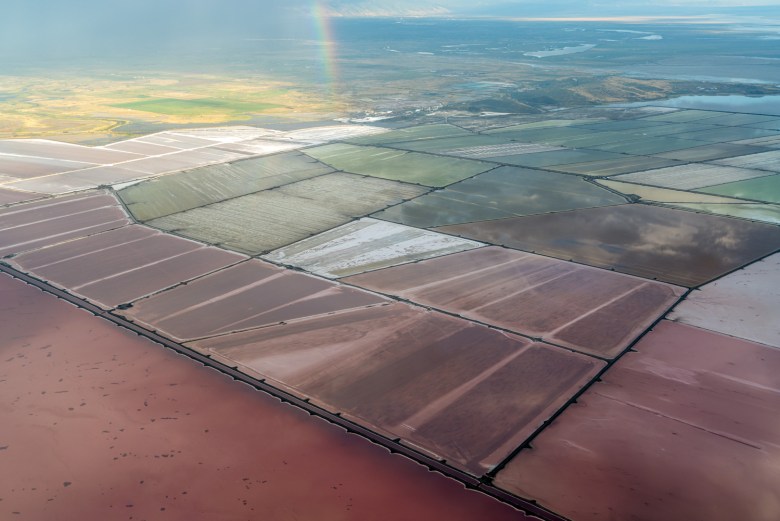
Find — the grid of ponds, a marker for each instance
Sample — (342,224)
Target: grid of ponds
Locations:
(466,293)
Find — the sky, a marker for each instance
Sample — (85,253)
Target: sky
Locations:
(60,30)
(534,8)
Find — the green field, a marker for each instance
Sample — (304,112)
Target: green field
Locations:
(193,107)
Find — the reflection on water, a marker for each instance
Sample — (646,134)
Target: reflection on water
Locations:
(683,248)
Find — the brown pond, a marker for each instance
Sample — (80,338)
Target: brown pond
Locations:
(591,310)
(98,423)
(428,378)
(675,246)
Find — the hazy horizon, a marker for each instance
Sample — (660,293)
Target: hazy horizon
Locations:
(49,31)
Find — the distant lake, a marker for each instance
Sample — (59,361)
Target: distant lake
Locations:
(769,105)
(561,51)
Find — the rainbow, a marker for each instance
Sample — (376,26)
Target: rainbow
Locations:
(324,34)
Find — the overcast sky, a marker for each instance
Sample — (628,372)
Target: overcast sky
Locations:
(535,8)
(64,28)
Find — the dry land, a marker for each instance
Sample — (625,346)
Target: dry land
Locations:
(80,107)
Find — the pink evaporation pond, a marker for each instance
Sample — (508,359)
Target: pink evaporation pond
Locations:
(57,150)
(122,265)
(98,423)
(248,295)
(435,381)
(591,310)
(685,428)
(23,167)
(742,304)
(34,225)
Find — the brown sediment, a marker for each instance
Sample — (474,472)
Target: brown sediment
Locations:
(72,250)
(251,294)
(122,265)
(101,424)
(330,300)
(55,208)
(103,264)
(577,306)
(541,312)
(205,290)
(52,232)
(37,224)
(133,285)
(676,246)
(685,428)
(430,379)
(13,196)
(505,408)
(619,321)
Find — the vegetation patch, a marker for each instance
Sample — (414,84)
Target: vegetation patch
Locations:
(194,107)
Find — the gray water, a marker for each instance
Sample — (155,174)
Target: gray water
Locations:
(769,105)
